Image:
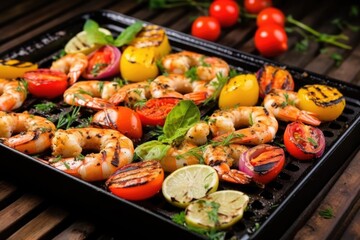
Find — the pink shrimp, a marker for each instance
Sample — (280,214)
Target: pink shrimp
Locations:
(207,68)
(25,132)
(12,94)
(283,104)
(73,64)
(260,125)
(179,86)
(114,151)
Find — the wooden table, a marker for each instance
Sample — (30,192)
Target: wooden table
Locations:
(25,214)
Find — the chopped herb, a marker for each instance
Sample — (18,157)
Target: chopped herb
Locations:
(327,213)
(45,107)
(191,73)
(66,119)
(218,84)
(97,68)
(337,58)
(313,142)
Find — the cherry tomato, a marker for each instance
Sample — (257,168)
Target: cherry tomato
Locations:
(155,110)
(304,142)
(137,181)
(262,162)
(123,119)
(270,15)
(206,27)
(103,62)
(270,77)
(226,11)
(255,6)
(271,40)
(46,83)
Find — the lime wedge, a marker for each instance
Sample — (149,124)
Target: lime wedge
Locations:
(80,44)
(217,211)
(189,183)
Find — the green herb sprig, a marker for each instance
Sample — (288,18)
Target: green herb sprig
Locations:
(95,36)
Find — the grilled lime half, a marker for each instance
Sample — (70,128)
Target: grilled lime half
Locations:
(217,211)
(79,43)
(189,183)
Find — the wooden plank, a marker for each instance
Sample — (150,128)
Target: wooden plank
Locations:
(353,230)
(41,225)
(6,189)
(341,197)
(347,72)
(77,231)
(18,210)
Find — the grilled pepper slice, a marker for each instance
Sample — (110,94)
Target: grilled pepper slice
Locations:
(14,68)
(327,102)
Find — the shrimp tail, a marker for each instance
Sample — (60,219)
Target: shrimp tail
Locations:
(231,175)
(309,118)
(197,97)
(99,103)
(117,98)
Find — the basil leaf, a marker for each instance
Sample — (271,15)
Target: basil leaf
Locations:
(128,34)
(152,150)
(94,35)
(184,115)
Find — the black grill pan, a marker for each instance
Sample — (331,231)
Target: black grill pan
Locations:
(271,210)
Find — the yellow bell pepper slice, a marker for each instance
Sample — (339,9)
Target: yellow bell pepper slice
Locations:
(14,68)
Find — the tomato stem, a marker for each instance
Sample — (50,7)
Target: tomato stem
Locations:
(320,37)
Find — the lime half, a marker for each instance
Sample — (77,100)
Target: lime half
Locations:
(80,44)
(218,210)
(189,183)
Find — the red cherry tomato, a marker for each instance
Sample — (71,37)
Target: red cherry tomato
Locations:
(103,62)
(46,83)
(255,6)
(304,142)
(262,162)
(271,40)
(270,77)
(155,110)
(137,181)
(270,15)
(226,11)
(123,119)
(206,27)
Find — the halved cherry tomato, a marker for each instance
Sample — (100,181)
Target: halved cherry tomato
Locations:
(206,27)
(271,40)
(226,11)
(155,110)
(270,15)
(123,119)
(262,162)
(46,83)
(103,62)
(255,6)
(137,181)
(270,77)
(304,142)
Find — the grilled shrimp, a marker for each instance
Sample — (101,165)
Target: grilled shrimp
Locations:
(131,93)
(73,64)
(198,133)
(25,132)
(93,94)
(261,125)
(222,158)
(12,94)
(179,156)
(207,68)
(179,86)
(283,104)
(114,151)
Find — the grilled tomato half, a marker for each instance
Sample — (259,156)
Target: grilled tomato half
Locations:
(327,102)
(137,181)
